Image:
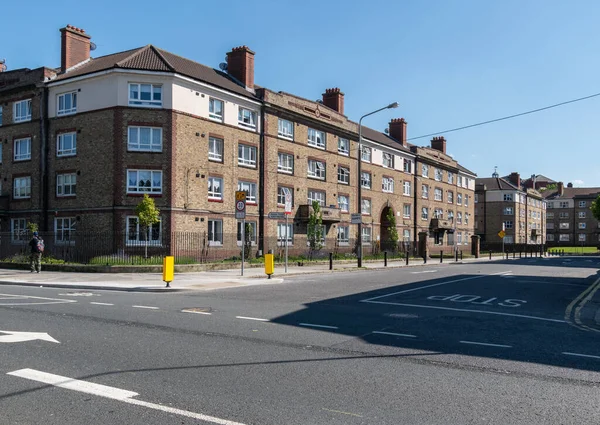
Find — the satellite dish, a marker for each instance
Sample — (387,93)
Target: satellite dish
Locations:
(92,46)
(386,131)
(223,66)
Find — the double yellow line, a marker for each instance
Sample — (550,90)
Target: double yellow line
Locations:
(573,311)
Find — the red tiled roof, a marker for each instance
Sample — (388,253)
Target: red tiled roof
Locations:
(151,58)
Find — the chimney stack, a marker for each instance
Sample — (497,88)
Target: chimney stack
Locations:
(240,65)
(439,144)
(74,47)
(334,99)
(515,178)
(2,65)
(561,188)
(397,128)
(569,184)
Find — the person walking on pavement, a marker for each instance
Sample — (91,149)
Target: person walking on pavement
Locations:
(37,247)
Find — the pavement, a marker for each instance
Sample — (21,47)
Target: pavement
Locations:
(206,280)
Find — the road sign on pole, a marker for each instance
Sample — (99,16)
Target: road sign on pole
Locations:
(356,218)
(278,215)
(288,200)
(240,205)
(502,233)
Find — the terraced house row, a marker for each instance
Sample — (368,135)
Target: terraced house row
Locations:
(82,143)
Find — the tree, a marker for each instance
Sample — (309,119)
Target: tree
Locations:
(32,227)
(148,215)
(248,235)
(596,208)
(314,231)
(392,230)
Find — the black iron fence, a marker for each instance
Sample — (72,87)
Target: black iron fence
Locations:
(512,247)
(107,248)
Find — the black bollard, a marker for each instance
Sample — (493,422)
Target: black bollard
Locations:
(384,258)
(490,254)
(331,261)
(461,255)
(456,256)
(407,258)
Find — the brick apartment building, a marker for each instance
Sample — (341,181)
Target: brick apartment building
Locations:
(501,203)
(570,220)
(84,142)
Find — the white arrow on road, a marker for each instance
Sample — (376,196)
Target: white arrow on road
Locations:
(25,336)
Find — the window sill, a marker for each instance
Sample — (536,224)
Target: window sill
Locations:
(65,113)
(216,119)
(316,178)
(220,161)
(69,155)
(288,138)
(129,150)
(289,173)
(140,195)
(21,160)
(253,167)
(215,200)
(66,196)
(317,147)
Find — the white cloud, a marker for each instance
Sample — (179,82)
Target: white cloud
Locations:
(577,182)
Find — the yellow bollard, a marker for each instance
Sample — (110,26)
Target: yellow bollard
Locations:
(269,264)
(168,269)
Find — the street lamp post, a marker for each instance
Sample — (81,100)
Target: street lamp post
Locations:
(360,250)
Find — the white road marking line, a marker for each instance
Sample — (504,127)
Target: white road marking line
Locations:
(312,325)
(425,271)
(27,297)
(101,303)
(252,318)
(394,334)
(111,393)
(431,286)
(550,283)
(486,344)
(196,312)
(145,306)
(468,310)
(581,355)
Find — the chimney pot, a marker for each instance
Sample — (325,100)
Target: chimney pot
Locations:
(397,128)
(75,47)
(439,144)
(334,99)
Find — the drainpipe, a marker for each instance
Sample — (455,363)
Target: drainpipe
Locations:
(261,179)
(44,155)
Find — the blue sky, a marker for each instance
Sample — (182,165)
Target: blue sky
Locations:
(448,63)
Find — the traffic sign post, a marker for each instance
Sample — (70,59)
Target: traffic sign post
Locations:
(502,234)
(356,218)
(240,214)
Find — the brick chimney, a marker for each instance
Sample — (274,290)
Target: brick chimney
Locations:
(334,99)
(240,65)
(74,47)
(515,178)
(439,144)
(397,129)
(561,188)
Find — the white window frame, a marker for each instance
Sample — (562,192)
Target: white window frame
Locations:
(581,225)
(582,204)
(459,199)
(406,188)
(18,230)
(581,214)
(367,235)
(317,195)
(71,97)
(343,175)
(406,210)
(281,192)
(425,191)
(407,165)
(247,155)
(366,154)
(213,112)
(563,225)
(343,235)
(343,146)
(215,192)
(136,145)
(239,233)
(366,207)
(22,187)
(459,218)
(425,171)
(66,184)
(152,188)
(365,180)
(581,237)
(466,200)
(61,150)
(387,184)
(285,163)
(388,160)
(250,189)
(281,234)
(508,211)
(450,197)
(424,213)
(508,197)
(247,118)
(564,237)
(215,149)
(439,175)
(64,228)
(135,235)
(344,203)
(550,237)
(285,129)
(450,178)
(20,107)
(215,232)
(152,103)
(316,169)
(563,204)
(508,224)
(317,138)
(22,149)
(438,194)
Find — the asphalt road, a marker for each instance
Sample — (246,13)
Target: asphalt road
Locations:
(496,343)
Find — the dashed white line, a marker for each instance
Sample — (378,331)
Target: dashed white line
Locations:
(312,325)
(252,318)
(145,306)
(580,355)
(394,334)
(196,312)
(101,303)
(486,344)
